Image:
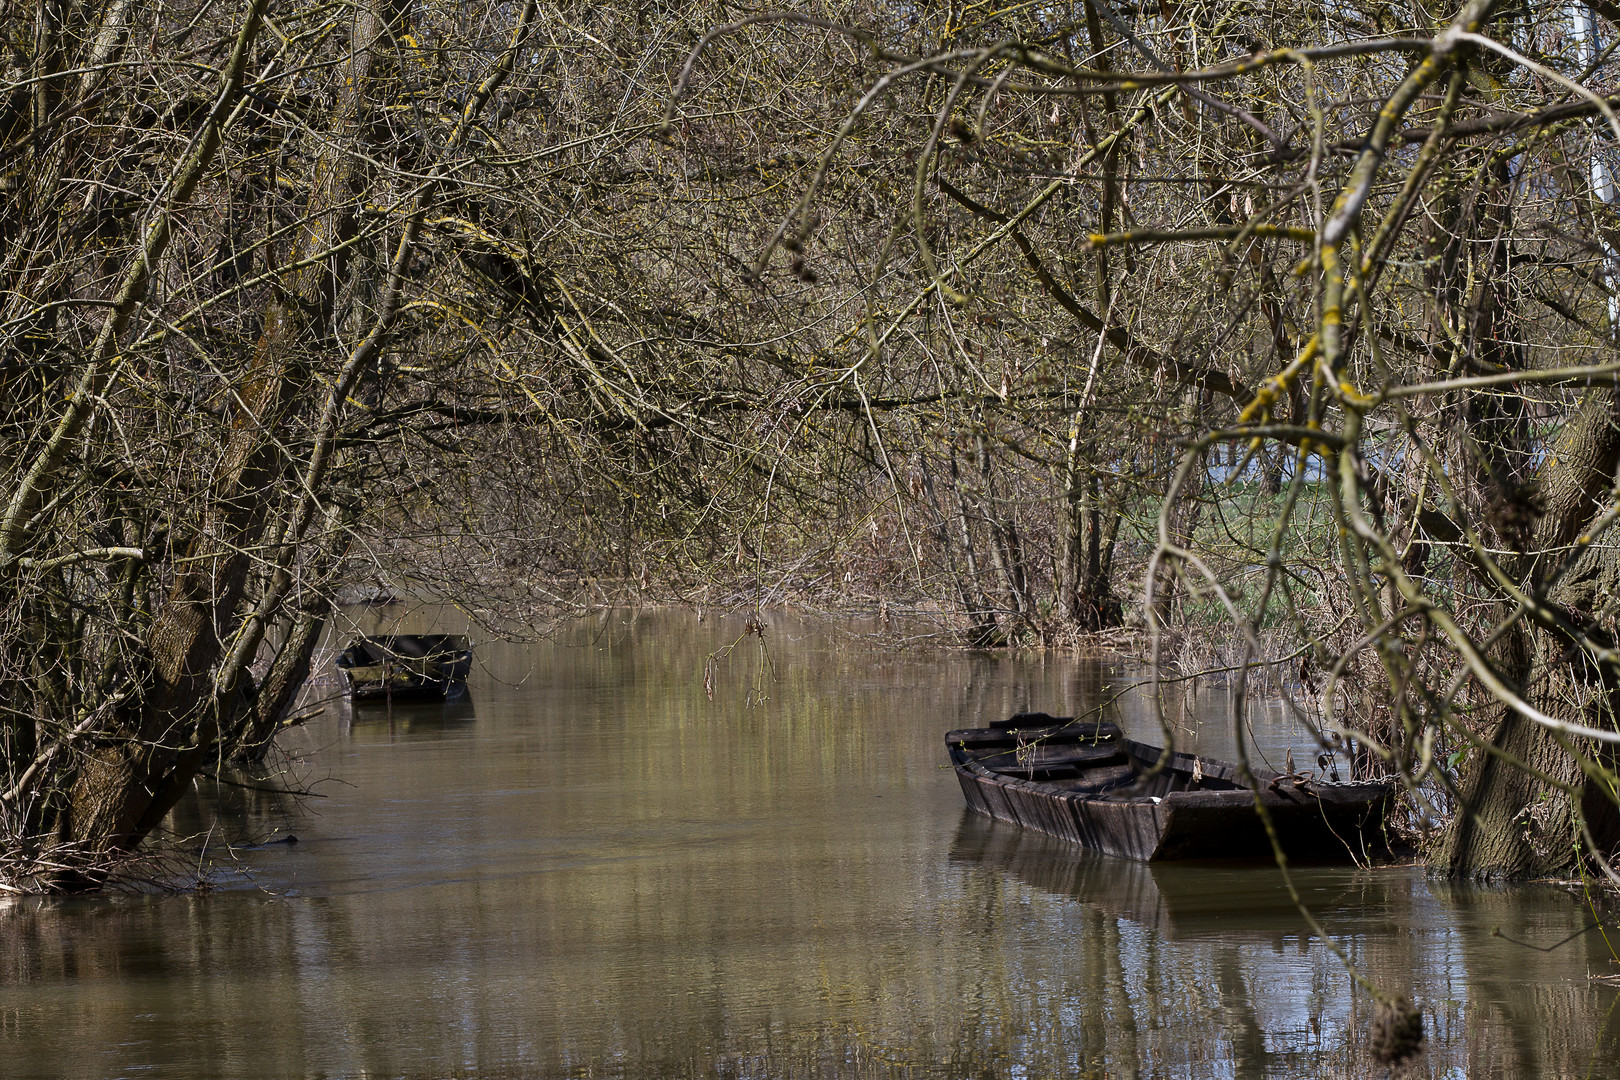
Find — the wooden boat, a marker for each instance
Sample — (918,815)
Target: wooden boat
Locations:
(405,666)
(1088,784)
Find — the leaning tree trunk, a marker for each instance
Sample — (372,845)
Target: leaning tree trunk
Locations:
(1168,591)
(1523,800)
(125,786)
(1512,822)
(262,706)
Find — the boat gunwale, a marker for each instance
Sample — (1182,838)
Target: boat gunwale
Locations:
(1269,781)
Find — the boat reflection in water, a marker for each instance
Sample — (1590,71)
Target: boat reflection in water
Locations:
(1219,951)
(417,718)
(1235,901)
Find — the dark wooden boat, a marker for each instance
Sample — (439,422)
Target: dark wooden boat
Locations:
(406,666)
(1088,784)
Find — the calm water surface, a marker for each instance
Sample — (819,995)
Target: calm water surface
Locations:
(591,869)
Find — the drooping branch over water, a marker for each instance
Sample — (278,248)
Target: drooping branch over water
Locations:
(1291,329)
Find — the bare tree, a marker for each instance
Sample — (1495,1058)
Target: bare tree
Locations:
(1358,261)
(1042,320)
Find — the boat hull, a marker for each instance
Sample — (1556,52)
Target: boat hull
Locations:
(1190,809)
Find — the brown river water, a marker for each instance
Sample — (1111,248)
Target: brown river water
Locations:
(590,868)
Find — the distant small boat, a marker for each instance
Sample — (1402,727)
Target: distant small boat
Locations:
(406,665)
(1088,784)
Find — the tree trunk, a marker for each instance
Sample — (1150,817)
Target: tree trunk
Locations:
(983,627)
(1085,591)
(262,707)
(1167,588)
(126,786)
(1512,823)
(1006,549)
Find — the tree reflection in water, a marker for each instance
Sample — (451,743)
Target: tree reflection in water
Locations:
(594,870)
(1224,962)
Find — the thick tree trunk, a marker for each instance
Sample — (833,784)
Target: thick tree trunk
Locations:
(126,787)
(1512,823)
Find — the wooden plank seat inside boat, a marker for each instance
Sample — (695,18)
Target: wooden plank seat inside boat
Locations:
(1046,756)
(1090,759)
(1110,780)
(1052,734)
(1044,748)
